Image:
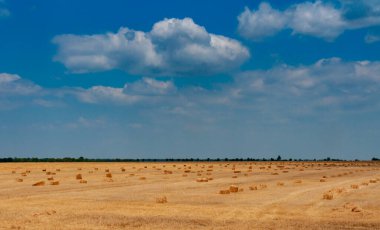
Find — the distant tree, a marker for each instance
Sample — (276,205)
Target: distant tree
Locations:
(278,158)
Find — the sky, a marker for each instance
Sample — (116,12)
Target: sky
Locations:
(190,79)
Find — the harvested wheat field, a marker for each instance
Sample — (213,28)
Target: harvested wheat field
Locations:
(196,195)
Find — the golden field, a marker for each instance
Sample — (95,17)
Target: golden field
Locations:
(196,195)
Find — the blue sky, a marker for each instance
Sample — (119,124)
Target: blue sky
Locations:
(157,79)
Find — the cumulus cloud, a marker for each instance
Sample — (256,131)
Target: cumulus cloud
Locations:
(328,82)
(264,22)
(319,19)
(146,89)
(316,19)
(174,47)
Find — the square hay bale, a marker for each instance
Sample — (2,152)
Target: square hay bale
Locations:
(253,187)
(202,180)
(263,186)
(355,186)
(40,183)
(78,176)
(224,191)
(234,188)
(161,200)
(328,196)
(54,183)
(109,175)
(356,209)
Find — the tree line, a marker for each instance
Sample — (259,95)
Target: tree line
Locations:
(83,159)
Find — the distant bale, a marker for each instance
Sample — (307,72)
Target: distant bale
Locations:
(83,181)
(54,183)
(234,188)
(263,186)
(322,180)
(50,178)
(168,172)
(40,183)
(202,180)
(253,187)
(328,196)
(79,169)
(107,170)
(274,173)
(23,174)
(372,181)
(13,172)
(280,184)
(109,175)
(224,191)
(237,171)
(142,178)
(355,186)
(161,200)
(123,169)
(78,176)
(298,181)
(43,170)
(356,209)
(184,175)
(365,183)
(58,170)
(19,180)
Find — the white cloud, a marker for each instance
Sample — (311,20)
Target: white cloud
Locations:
(319,19)
(264,22)
(316,19)
(146,89)
(13,84)
(173,47)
